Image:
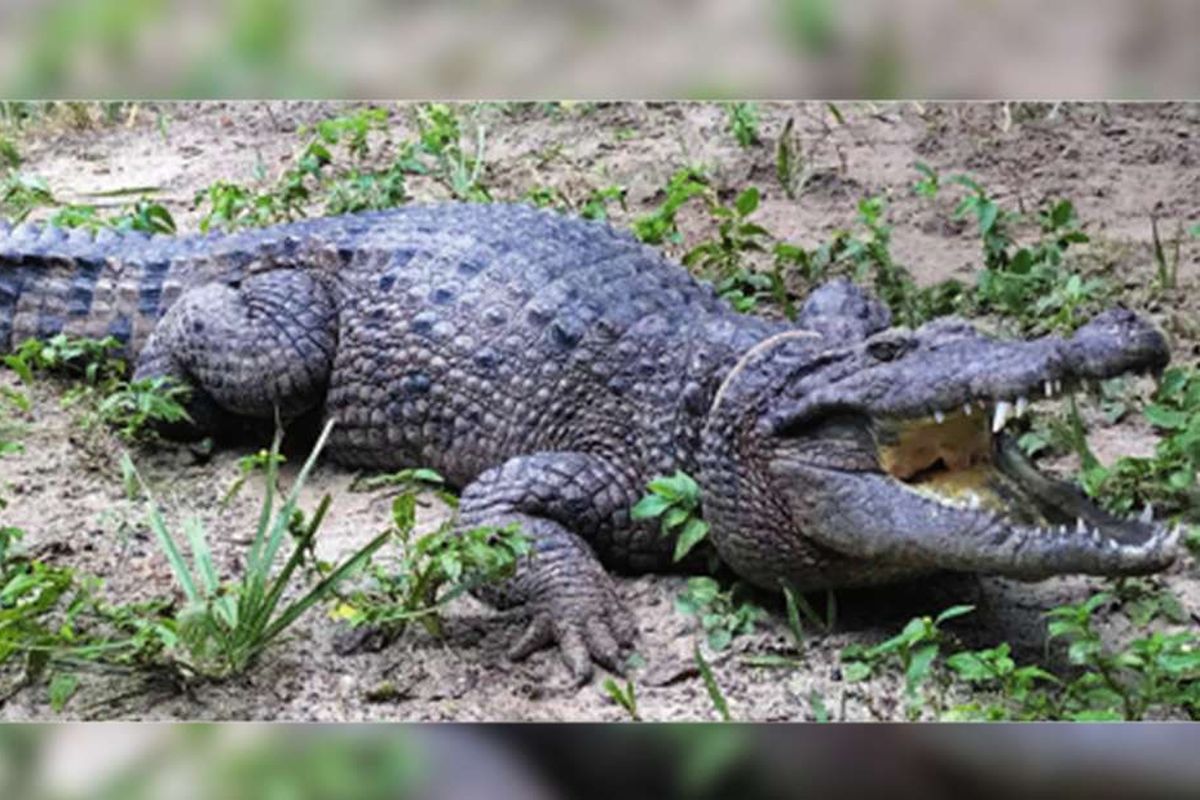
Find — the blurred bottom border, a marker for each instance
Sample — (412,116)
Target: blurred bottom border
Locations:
(531,761)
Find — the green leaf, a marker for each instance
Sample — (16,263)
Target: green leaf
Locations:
(747,202)
(710,683)
(62,689)
(988,212)
(674,517)
(693,533)
(854,671)
(952,612)
(404,511)
(920,663)
(201,556)
(649,506)
(1167,418)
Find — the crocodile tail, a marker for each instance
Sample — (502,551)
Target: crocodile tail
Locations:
(55,280)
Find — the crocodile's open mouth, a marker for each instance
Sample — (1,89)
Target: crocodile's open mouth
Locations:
(963,459)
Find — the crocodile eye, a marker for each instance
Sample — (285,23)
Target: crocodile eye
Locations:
(888,347)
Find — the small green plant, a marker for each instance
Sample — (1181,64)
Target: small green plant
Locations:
(721,259)
(435,568)
(1167,266)
(317,176)
(1168,479)
(235,206)
(1015,688)
(722,616)
(674,501)
(868,258)
(1030,284)
(796,606)
(93,361)
(413,478)
(625,697)
(136,409)
(39,604)
(223,628)
(12,403)
(1149,674)
(440,138)
(20,194)
(915,648)
(659,226)
(930,181)
(595,205)
(1161,669)
(743,123)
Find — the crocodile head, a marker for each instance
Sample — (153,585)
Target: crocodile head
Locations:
(840,460)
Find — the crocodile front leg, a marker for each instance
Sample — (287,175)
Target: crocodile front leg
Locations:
(557,499)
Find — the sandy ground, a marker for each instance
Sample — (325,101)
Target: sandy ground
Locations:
(1115,162)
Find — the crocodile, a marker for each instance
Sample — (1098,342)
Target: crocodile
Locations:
(550,366)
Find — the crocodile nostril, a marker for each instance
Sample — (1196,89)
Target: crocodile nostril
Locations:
(889,348)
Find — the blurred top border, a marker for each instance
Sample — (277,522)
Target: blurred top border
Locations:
(599,49)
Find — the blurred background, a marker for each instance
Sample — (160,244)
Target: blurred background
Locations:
(599,48)
(453,762)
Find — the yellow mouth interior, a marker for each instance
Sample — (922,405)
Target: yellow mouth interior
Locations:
(949,460)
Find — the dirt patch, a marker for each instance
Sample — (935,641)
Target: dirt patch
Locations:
(1115,162)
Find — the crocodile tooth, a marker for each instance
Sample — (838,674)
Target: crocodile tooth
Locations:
(1022,405)
(1097,537)
(1080,525)
(967,409)
(1147,514)
(1049,387)
(1001,416)
(1058,387)
(939,416)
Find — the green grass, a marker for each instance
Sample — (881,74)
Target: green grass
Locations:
(1140,675)
(624,696)
(1168,478)
(225,626)
(144,215)
(134,410)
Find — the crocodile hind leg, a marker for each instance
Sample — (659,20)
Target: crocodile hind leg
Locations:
(557,499)
(257,349)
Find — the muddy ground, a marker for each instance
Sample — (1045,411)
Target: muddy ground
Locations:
(1115,162)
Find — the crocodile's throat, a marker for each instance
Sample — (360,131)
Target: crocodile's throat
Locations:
(963,460)
(947,457)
